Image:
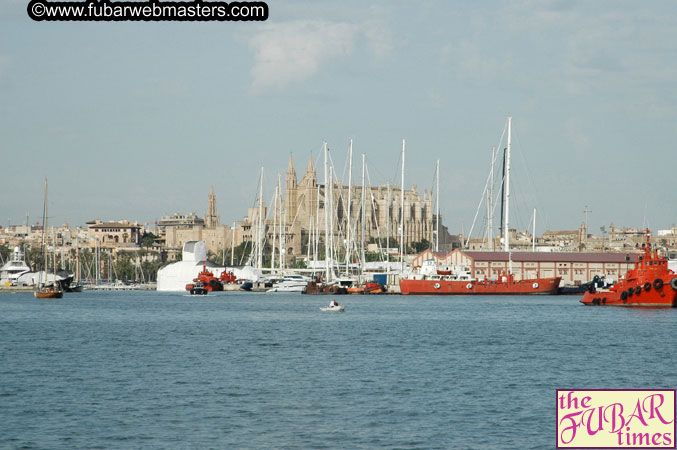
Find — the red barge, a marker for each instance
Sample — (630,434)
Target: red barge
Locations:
(458,282)
(650,284)
(506,285)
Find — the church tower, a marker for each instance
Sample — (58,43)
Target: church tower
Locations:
(211,218)
(291,194)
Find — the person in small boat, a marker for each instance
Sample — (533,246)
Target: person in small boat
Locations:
(333,303)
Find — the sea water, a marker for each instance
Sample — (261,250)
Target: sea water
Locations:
(121,370)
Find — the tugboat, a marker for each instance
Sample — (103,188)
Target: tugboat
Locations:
(651,284)
(208,280)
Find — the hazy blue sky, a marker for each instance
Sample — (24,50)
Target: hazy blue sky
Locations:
(137,120)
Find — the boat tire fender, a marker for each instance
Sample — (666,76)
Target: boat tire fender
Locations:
(535,285)
(658,283)
(624,296)
(638,290)
(647,286)
(673,283)
(436,285)
(630,292)
(604,300)
(468,286)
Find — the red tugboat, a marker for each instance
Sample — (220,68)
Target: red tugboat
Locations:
(208,280)
(650,285)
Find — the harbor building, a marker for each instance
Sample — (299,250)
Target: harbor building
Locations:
(575,268)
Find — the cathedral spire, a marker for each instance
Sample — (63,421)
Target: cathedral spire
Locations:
(290,169)
(211,218)
(291,175)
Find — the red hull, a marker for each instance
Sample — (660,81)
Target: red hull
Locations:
(649,285)
(665,297)
(541,286)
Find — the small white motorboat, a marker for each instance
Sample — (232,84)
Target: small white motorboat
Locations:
(339,308)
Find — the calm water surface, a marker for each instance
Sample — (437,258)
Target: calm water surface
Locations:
(159,370)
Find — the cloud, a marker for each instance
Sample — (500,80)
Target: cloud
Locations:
(291,52)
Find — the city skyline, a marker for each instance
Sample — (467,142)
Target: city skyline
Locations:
(137,120)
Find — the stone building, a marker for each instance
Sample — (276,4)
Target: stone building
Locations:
(114,234)
(302,213)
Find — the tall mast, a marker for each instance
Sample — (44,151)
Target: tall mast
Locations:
(506,229)
(437,210)
(272,255)
(77,261)
(232,245)
(402,215)
(533,234)
(259,258)
(316,243)
(388,224)
(350,203)
(279,189)
(44,230)
(326,215)
(490,202)
(283,232)
(501,223)
(331,219)
(364,216)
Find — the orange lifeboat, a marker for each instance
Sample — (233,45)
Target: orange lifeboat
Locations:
(650,285)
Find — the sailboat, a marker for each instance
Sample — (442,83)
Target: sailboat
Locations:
(44,290)
(439,284)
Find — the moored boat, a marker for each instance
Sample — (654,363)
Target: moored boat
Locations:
(289,283)
(427,281)
(198,289)
(651,284)
(504,285)
(208,280)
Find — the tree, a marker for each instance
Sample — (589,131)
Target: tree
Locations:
(420,246)
(5,251)
(148,239)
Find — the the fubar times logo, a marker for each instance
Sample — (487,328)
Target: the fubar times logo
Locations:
(610,419)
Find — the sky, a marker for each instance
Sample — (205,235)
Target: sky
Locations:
(137,120)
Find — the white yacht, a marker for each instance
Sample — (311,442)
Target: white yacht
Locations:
(290,283)
(15,267)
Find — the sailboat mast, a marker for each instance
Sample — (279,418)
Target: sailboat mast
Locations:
(44,230)
(283,232)
(350,203)
(272,255)
(364,216)
(506,229)
(259,257)
(279,214)
(402,215)
(232,245)
(326,215)
(437,210)
(77,261)
(533,234)
(490,202)
(331,219)
(388,224)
